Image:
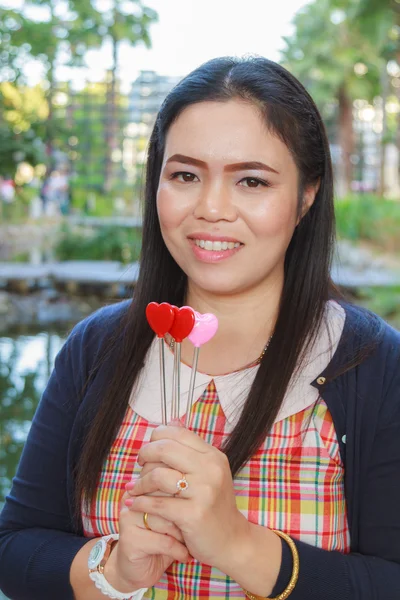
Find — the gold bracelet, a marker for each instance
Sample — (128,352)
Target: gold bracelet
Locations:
(295,572)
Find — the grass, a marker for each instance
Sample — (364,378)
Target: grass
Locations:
(369,218)
(104,243)
(83,201)
(17,211)
(382,301)
(97,204)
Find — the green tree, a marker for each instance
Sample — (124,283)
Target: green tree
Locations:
(23,114)
(61,34)
(337,64)
(125,21)
(86,114)
(379,20)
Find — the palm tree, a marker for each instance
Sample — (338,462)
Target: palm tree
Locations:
(379,20)
(337,64)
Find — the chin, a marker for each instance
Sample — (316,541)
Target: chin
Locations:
(219,286)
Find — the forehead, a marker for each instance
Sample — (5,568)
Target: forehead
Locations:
(232,130)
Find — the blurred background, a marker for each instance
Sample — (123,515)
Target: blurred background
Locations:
(80,84)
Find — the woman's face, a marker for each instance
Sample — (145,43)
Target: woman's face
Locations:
(227,198)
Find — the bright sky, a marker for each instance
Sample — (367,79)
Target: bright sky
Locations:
(190,32)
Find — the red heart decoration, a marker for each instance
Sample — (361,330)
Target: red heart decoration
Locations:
(160,317)
(183,323)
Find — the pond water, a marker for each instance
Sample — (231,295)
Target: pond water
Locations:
(26,361)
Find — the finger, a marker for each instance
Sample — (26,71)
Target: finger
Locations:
(158,480)
(149,467)
(148,541)
(146,469)
(156,543)
(171,509)
(182,435)
(171,453)
(157,524)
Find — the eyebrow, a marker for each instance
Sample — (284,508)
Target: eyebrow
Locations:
(242,166)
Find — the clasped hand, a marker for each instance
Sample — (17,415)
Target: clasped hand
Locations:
(206,514)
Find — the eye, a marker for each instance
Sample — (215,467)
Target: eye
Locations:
(183,176)
(254,182)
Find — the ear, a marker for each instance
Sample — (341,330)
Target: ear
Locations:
(308,199)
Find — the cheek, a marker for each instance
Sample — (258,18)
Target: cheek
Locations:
(277,217)
(172,208)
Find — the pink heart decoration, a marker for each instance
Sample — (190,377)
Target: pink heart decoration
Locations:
(204,329)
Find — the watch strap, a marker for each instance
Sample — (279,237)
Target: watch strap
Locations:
(97,574)
(110,541)
(107,589)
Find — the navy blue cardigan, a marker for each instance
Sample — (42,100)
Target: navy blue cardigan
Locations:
(38,540)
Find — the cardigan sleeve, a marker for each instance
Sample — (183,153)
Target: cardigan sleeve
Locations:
(37,541)
(373,573)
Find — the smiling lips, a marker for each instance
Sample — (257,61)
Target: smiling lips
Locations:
(209,248)
(215,246)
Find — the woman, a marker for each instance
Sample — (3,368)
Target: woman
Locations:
(288,474)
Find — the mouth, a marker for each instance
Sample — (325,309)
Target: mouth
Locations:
(213,249)
(216,246)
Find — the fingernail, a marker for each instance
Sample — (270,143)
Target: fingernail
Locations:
(130,485)
(128,502)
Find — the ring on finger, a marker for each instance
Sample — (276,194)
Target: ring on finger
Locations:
(145,521)
(182,485)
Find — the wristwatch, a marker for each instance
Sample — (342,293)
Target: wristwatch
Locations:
(98,557)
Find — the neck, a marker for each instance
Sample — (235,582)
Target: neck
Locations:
(246,322)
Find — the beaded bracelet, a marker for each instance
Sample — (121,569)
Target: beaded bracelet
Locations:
(295,573)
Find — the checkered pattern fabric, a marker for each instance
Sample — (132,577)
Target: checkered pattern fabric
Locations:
(294,482)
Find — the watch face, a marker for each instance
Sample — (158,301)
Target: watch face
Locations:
(96,554)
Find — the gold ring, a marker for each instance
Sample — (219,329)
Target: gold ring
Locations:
(145,517)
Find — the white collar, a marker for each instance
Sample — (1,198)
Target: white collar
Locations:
(233,388)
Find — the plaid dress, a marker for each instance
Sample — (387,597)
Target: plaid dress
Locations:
(294,482)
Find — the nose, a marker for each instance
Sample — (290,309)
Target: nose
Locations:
(215,203)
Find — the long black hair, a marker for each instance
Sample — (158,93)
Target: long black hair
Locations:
(290,113)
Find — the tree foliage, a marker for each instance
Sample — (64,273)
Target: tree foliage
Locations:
(60,32)
(325,49)
(380,21)
(23,114)
(337,58)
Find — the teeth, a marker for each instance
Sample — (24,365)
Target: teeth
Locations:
(216,246)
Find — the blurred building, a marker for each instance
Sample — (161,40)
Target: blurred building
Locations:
(369,154)
(147,94)
(103,134)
